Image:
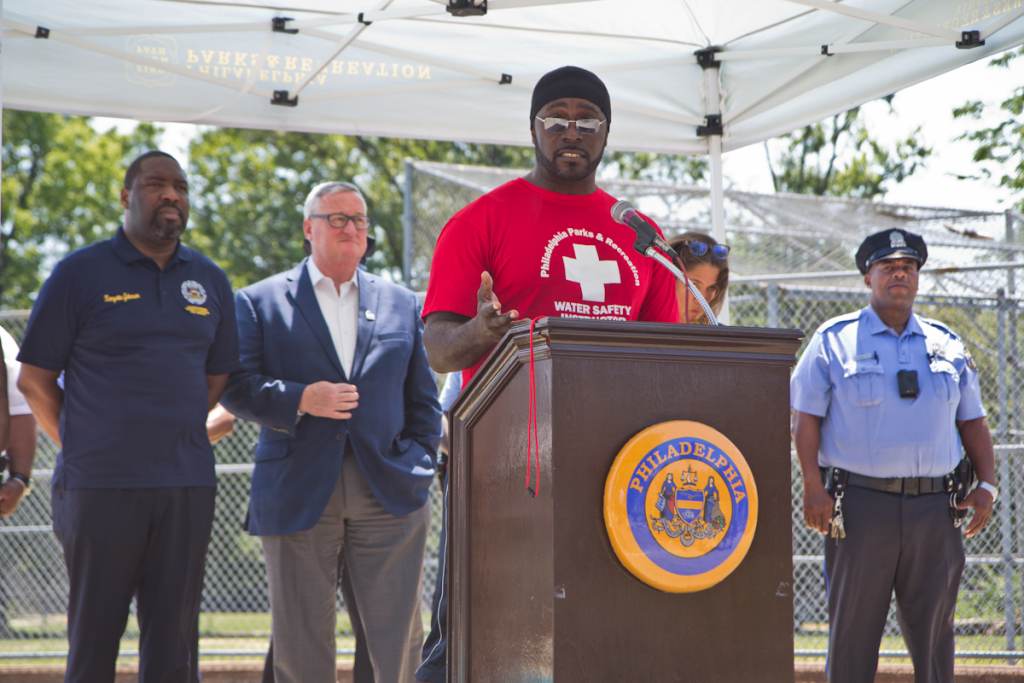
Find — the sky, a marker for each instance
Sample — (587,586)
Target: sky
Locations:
(928,105)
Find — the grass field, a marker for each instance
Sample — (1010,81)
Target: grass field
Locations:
(249,633)
(219,631)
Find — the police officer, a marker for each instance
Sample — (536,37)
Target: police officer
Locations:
(885,401)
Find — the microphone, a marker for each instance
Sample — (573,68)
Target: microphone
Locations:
(625,213)
(646,239)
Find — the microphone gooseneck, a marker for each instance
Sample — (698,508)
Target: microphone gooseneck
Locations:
(648,242)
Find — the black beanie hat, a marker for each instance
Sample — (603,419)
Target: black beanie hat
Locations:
(570,81)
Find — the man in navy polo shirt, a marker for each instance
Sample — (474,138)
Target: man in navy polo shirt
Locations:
(143,330)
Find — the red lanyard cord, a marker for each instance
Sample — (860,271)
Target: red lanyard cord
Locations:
(532,425)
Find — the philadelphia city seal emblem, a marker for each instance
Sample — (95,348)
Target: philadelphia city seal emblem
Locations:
(680,506)
(193,292)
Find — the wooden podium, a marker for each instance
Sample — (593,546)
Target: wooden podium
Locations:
(537,593)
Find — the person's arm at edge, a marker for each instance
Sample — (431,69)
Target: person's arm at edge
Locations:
(455,342)
(817,501)
(810,393)
(5,406)
(21,444)
(44,396)
(977,441)
(21,448)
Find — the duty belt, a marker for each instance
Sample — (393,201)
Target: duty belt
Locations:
(907,486)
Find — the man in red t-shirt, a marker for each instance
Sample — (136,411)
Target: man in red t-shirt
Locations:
(541,245)
(544,244)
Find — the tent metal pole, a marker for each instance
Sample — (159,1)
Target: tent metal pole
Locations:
(717,192)
(408,216)
(712,110)
(344,43)
(718,208)
(2,46)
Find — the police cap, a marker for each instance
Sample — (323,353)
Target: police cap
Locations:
(891,244)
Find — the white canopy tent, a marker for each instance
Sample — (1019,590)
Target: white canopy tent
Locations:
(686,76)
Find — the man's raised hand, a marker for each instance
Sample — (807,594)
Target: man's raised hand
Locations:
(489,319)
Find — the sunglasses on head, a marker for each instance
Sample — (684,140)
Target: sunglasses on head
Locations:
(555,124)
(700,249)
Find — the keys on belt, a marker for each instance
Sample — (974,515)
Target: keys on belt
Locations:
(835,483)
(836,480)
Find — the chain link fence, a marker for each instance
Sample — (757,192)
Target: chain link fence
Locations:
(989,610)
(235,605)
(791,264)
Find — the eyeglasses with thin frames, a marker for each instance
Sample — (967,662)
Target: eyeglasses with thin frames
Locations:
(340,220)
(555,124)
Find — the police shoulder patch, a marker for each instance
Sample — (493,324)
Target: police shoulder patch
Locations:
(680,506)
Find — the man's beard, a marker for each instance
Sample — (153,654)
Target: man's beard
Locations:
(579,173)
(165,230)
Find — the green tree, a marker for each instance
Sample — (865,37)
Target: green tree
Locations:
(1000,147)
(62,178)
(660,168)
(838,156)
(61,183)
(249,187)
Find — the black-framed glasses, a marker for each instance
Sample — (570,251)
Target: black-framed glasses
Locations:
(340,220)
(555,124)
(719,252)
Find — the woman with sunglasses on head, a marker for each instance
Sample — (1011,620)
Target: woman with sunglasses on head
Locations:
(707,266)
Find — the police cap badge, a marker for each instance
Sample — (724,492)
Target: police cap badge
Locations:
(891,244)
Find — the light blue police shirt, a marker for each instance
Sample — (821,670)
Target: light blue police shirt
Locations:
(847,376)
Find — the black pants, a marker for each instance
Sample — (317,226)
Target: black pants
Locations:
(906,544)
(144,543)
(434,667)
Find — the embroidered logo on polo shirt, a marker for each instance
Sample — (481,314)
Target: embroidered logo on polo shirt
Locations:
(195,295)
(193,292)
(121,298)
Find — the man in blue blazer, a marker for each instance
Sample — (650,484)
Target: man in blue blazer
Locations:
(334,370)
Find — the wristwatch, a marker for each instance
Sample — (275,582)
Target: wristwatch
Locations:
(25,481)
(991,488)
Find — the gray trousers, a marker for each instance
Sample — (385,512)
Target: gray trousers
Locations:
(906,544)
(384,557)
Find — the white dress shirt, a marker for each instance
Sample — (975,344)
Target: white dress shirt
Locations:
(340,308)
